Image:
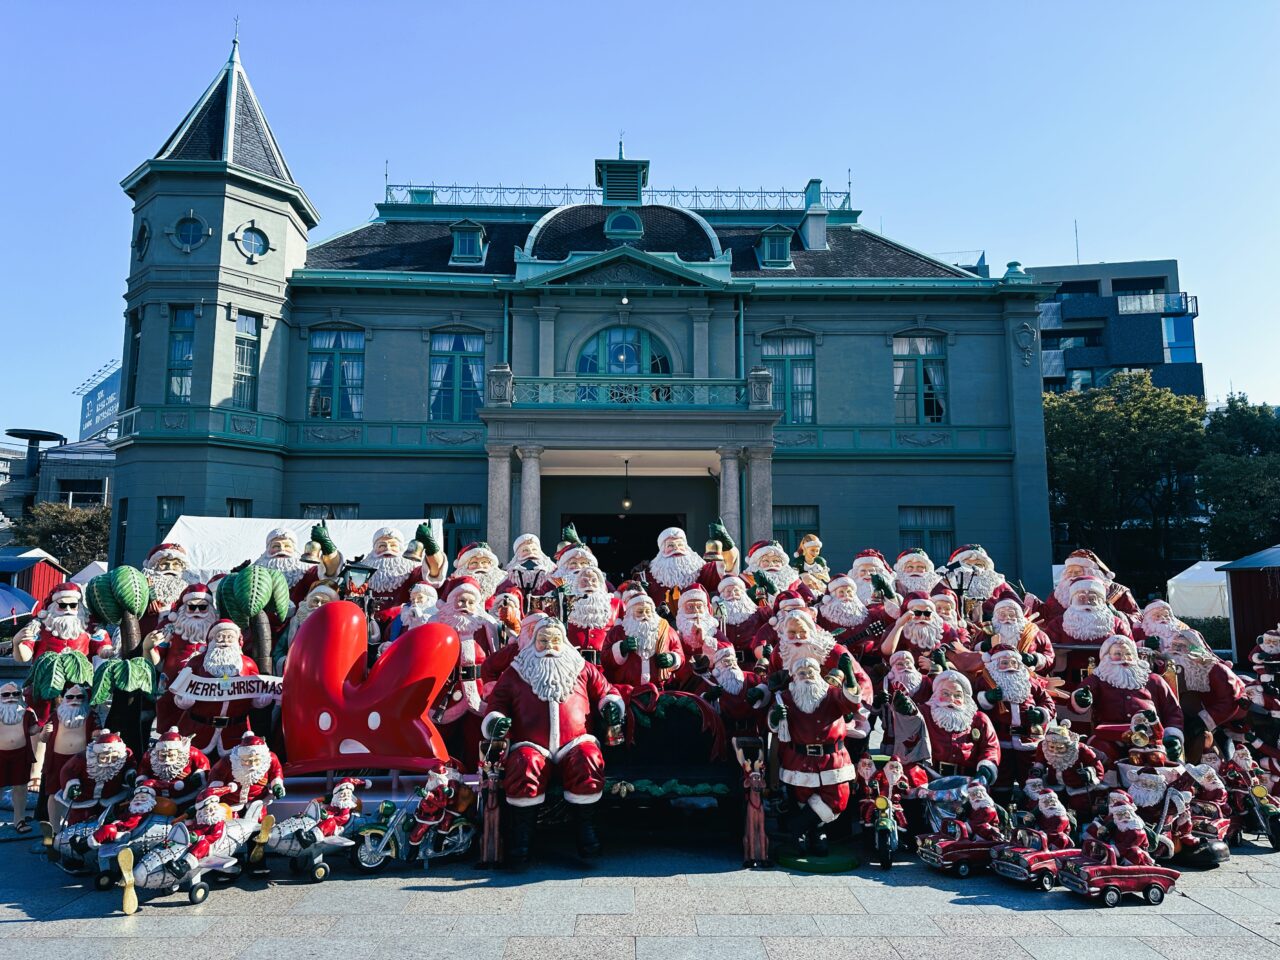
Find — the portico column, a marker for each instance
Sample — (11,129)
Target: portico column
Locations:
(760,494)
(531,489)
(499,527)
(731,491)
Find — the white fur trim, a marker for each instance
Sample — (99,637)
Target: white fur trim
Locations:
(388,532)
(1087,583)
(279,532)
(1173,732)
(728,582)
(486,723)
(820,778)
(618,656)
(527,801)
(524,538)
(611,698)
(559,755)
(635,598)
(821,808)
(581,799)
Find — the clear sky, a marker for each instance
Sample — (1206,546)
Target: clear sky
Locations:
(966,125)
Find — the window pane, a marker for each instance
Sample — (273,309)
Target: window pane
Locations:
(323,339)
(247,324)
(440,396)
(182,318)
(923,346)
(787,346)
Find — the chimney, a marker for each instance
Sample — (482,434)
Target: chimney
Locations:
(813,226)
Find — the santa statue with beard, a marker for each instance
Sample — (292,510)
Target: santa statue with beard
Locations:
(1265,656)
(215,725)
(859,627)
(179,770)
(923,634)
(677,567)
(642,648)
(1085,563)
(322,592)
(249,772)
(457,713)
(962,740)
(334,816)
(983,818)
(801,637)
(1150,788)
(394,574)
(948,607)
(179,638)
(96,779)
(1088,620)
(281,553)
(695,625)
(765,642)
(482,565)
(529,568)
(1157,625)
(1010,626)
(1209,796)
(1068,767)
(168,572)
(562,585)
(1128,834)
(809,719)
(141,805)
(972,573)
(1210,693)
(59,625)
(741,616)
(66,734)
(18,726)
(872,578)
(905,676)
(914,572)
(545,705)
(1052,818)
(592,615)
(421,607)
(1122,686)
(1019,706)
(768,573)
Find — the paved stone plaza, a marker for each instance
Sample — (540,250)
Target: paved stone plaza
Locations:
(647,901)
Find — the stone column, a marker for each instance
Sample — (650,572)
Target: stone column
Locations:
(731,492)
(531,489)
(701,317)
(759,494)
(499,527)
(546,340)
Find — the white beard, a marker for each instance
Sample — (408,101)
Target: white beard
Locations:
(389,573)
(865,589)
(1196,673)
(982,583)
(344,801)
(552,679)
(921,582)
(249,766)
(1065,760)
(11,713)
(71,717)
(168,769)
(1014,684)
(1088,623)
(222,660)
(846,613)
(981,803)
(808,694)
(818,647)
(208,816)
(909,680)
(1010,633)
(167,587)
(592,610)
(101,771)
(685,624)
(193,627)
(415,614)
(737,611)
(65,626)
(679,570)
(926,635)
(1147,796)
(488,579)
(645,632)
(1123,676)
(293,568)
(1165,630)
(783,579)
(464,624)
(953,719)
(143,806)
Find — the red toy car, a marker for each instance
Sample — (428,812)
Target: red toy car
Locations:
(1028,859)
(955,848)
(1097,872)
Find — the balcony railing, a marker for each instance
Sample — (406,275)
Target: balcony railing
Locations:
(457,194)
(628,392)
(1167,304)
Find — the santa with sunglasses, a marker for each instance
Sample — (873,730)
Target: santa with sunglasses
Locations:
(60,625)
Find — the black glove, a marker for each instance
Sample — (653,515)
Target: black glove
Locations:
(992,696)
(611,713)
(1028,659)
(903,704)
(320,534)
(718,531)
(701,663)
(665,661)
(1036,717)
(755,696)
(1082,698)
(277,790)
(1173,747)
(428,540)
(499,727)
(939,657)
(73,792)
(878,701)
(778,681)
(777,714)
(883,587)
(1151,643)
(1151,716)
(629,645)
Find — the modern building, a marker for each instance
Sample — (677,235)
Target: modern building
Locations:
(77,474)
(1109,318)
(511,359)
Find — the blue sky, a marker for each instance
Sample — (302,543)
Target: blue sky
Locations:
(966,125)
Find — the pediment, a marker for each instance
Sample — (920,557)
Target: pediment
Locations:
(624,267)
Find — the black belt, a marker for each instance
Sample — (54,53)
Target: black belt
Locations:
(590,655)
(469,673)
(218,722)
(816,749)
(947,769)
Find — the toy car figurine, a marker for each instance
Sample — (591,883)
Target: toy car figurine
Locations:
(955,848)
(1097,872)
(1028,859)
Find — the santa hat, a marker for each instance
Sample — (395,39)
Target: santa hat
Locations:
(104,739)
(805,662)
(1153,606)
(1009,602)
(1087,583)
(171,736)
(466,584)
(393,532)
(844,580)
(222,625)
(422,588)
(631,600)
(902,656)
(473,549)
(166,551)
(944,592)
(515,593)
(211,796)
(524,538)
(968,553)
(1119,798)
(354,783)
(527,628)
(628,589)
(1111,641)
(999,650)
(668,534)
(195,591)
(571,550)
(872,557)
(251,739)
(728,583)
(281,532)
(912,553)
(63,591)
(917,596)
(788,600)
(1087,558)
(1060,730)
(756,552)
(955,676)
(147,786)
(693,593)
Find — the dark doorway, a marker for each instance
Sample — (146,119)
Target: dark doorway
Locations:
(621,542)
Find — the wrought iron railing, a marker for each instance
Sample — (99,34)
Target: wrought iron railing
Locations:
(628,392)
(456,194)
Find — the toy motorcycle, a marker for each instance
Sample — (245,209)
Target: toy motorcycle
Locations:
(420,828)
(1254,810)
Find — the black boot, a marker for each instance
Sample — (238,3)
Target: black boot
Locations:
(588,842)
(519,834)
(817,841)
(804,821)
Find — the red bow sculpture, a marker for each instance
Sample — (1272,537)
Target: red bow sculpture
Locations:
(339,716)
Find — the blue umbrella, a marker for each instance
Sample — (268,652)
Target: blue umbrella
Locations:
(14,603)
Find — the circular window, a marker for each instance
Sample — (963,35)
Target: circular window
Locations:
(254,242)
(142,239)
(189,231)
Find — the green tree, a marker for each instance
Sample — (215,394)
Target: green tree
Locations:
(1239,478)
(1123,458)
(74,535)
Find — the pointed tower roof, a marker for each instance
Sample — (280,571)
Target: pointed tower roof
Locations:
(227,124)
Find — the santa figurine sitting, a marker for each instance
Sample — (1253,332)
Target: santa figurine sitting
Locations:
(176,769)
(94,781)
(643,648)
(923,634)
(1011,626)
(1086,563)
(432,811)
(251,771)
(742,617)
(176,641)
(972,574)
(592,614)
(1212,697)
(1069,767)
(914,572)
(768,572)
(1019,705)
(962,740)
(208,834)
(320,820)
(141,806)
(1127,832)
(1122,686)
(421,607)
(1052,818)
(529,568)
(677,567)
(1209,796)
(215,725)
(983,818)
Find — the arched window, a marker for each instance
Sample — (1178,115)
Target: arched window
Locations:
(623,225)
(624,352)
(789,357)
(920,379)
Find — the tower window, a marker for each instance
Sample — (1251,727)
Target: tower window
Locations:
(775,247)
(142,240)
(244,380)
(254,242)
(189,232)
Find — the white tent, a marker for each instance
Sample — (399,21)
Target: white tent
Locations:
(1199,591)
(91,570)
(216,544)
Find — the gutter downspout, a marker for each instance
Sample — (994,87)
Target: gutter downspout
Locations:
(506,327)
(742,342)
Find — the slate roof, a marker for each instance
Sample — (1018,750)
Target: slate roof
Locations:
(202,135)
(415,246)
(852,252)
(581,227)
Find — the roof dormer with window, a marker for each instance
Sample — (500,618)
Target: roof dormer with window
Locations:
(774,250)
(470,243)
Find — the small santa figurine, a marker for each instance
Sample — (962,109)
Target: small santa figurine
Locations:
(1265,656)
(179,637)
(168,572)
(1209,795)
(432,811)
(810,564)
(98,778)
(922,633)
(570,559)
(1052,818)
(983,818)
(972,573)
(741,616)
(677,567)
(1161,804)
(215,725)
(477,561)
(1019,705)
(695,625)
(281,553)
(768,572)
(872,576)
(335,815)
(643,648)
(60,624)
(249,772)
(1123,686)
(592,614)
(905,676)
(808,718)
(1069,767)
(422,606)
(1157,625)
(529,568)
(1086,563)
(141,806)
(894,782)
(178,770)
(1011,626)
(321,592)
(1128,833)
(208,833)
(18,724)
(1087,620)
(66,734)
(948,607)
(545,704)
(914,572)
(962,740)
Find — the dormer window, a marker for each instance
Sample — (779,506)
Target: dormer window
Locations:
(775,247)
(468,243)
(623,225)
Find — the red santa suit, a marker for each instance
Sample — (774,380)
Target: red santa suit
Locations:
(742,635)
(459,711)
(120,829)
(1057,830)
(189,780)
(1119,597)
(1075,781)
(830,665)
(1132,848)
(812,755)
(216,725)
(964,751)
(241,794)
(51,772)
(203,837)
(592,638)
(1010,718)
(1116,705)
(984,823)
(95,795)
(862,639)
(632,670)
(1212,692)
(550,734)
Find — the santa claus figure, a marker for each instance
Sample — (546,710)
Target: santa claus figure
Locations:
(249,772)
(765,642)
(141,806)
(742,617)
(983,818)
(208,834)
(808,718)
(914,572)
(1209,795)
(458,712)
(60,625)
(1052,818)
(422,606)
(859,627)
(1161,805)
(962,741)
(948,607)
(180,637)
(571,559)
(1068,767)
(481,564)
(695,625)
(802,638)
(66,734)
(282,554)
(178,770)
(394,573)
(872,576)
(972,573)
(894,782)
(1123,686)
(1088,620)
(98,778)
(643,648)
(1128,833)
(1156,625)
(168,572)
(592,614)
(18,725)
(1210,693)
(1265,656)
(1019,706)
(529,568)
(767,569)
(333,818)
(810,564)
(905,676)
(1085,563)
(546,704)
(214,725)
(677,566)
(922,633)
(1011,627)
(432,810)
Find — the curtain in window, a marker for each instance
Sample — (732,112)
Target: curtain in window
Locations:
(918,346)
(345,511)
(795,516)
(324,339)
(352,389)
(440,397)
(935,391)
(802,376)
